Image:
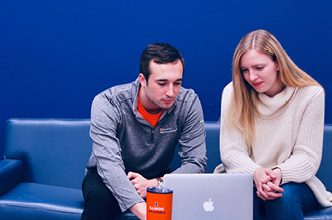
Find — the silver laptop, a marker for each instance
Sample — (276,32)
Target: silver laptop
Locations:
(211,196)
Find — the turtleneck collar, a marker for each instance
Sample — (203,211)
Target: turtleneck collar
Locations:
(269,105)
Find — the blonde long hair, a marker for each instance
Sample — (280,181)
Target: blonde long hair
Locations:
(243,106)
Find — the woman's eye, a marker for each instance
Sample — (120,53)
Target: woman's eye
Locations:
(260,68)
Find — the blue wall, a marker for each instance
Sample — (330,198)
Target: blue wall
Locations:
(55,56)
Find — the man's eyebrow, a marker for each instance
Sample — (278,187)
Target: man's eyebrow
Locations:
(165,80)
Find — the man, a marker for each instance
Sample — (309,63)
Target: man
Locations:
(135,129)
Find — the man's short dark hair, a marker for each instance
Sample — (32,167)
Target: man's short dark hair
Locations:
(160,53)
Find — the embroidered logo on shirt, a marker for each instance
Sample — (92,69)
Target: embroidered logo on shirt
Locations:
(167,130)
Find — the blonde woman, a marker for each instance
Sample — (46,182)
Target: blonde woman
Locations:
(272,123)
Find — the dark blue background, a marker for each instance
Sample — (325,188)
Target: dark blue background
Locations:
(55,56)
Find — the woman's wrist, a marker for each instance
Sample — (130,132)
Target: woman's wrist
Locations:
(278,173)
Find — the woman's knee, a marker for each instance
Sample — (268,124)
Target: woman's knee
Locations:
(290,205)
(292,194)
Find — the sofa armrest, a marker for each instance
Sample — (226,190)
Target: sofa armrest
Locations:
(11,173)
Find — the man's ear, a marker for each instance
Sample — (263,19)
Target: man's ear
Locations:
(142,80)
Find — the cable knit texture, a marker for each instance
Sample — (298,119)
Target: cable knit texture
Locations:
(288,134)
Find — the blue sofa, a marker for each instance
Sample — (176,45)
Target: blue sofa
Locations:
(43,167)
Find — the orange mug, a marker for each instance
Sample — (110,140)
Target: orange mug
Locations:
(159,203)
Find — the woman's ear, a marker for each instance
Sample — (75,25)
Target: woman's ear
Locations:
(277,66)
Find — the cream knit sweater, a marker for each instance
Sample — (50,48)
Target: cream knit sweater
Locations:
(288,135)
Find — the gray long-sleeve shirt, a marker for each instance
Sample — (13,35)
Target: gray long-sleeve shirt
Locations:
(123,141)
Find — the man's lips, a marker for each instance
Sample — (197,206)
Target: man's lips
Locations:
(257,84)
(168,100)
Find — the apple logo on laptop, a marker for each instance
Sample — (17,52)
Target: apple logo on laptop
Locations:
(208,205)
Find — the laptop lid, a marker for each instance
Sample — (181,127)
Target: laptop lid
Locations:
(211,196)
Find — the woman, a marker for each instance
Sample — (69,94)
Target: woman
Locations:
(272,123)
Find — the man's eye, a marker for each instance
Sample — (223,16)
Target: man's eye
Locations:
(177,83)
(162,84)
(260,68)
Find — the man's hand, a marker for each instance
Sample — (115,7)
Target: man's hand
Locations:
(267,183)
(139,209)
(140,183)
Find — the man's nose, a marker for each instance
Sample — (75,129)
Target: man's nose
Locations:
(170,90)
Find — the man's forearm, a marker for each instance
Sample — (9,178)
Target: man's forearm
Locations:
(139,209)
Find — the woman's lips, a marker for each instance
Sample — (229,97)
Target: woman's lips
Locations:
(257,84)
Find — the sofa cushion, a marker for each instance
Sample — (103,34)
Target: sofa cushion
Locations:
(38,201)
(320,214)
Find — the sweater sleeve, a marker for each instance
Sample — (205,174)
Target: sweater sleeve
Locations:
(305,159)
(233,150)
(105,119)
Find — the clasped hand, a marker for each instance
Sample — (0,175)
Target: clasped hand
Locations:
(140,183)
(268,183)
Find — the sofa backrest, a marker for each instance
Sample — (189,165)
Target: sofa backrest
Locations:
(212,129)
(213,153)
(53,151)
(325,170)
(1,150)
(212,145)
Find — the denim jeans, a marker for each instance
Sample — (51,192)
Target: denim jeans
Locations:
(296,199)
